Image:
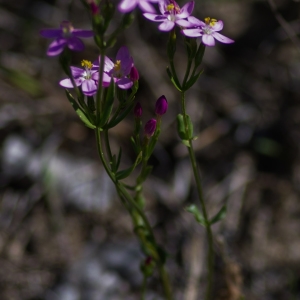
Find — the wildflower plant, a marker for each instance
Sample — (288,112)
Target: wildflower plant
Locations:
(104,92)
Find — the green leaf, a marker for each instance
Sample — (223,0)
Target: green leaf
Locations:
(119,158)
(191,47)
(173,79)
(145,174)
(108,104)
(220,215)
(193,209)
(186,143)
(192,80)
(125,173)
(79,112)
(199,55)
(181,127)
(120,117)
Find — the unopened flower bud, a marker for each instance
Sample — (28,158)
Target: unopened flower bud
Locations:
(94,7)
(161,105)
(150,127)
(138,110)
(134,74)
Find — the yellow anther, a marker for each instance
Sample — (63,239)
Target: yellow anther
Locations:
(170,7)
(210,21)
(117,66)
(87,64)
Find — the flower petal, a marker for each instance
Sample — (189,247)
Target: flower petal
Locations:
(124,83)
(162,5)
(56,47)
(183,23)
(105,79)
(186,10)
(166,25)
(127,5)
(218,26)
(208,40)
(51,33)
(193,32)
(75,44)
(82,33)
(89,87)
(67,83)
(195,22)
(146,7)
(221,38)
(126,60)
(76,72)
(154,17)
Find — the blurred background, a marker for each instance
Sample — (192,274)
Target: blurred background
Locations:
(64,235)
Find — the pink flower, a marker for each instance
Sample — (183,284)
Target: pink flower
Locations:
(86,77)
(171,14)
(128,5)
(208,30)
(65,36)
(120,70)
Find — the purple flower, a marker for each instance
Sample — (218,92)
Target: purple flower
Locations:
(150,127)
(65,36)
(171,14)
(86,77)
(120,70)
(128,5)
(208,30)
(138,110)
(161,105)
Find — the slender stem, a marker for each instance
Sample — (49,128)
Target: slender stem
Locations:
(107,144)
(202,202)
(144,288)
(122,191)
(100,89)
(187,72)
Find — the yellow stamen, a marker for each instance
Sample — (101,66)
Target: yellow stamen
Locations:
(211,22)
(117,66)
(86,64)
(170,7)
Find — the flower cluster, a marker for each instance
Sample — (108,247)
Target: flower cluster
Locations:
(122,71)
(171,14)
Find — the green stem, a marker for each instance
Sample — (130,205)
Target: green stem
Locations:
(100,89)
(202,203)
(122,191)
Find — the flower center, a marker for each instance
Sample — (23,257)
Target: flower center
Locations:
(117,68)
(173,8)
(66,28)
(88,66)
(211,22)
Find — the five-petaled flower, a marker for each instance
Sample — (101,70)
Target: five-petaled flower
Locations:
(65,36)
(128,5)
(208,30)
(86,77)
(171,14)
(119,71)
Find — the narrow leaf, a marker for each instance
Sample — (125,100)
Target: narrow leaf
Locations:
(193,209)
(108,104)
(220,215)
(79,112)
(125,173)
